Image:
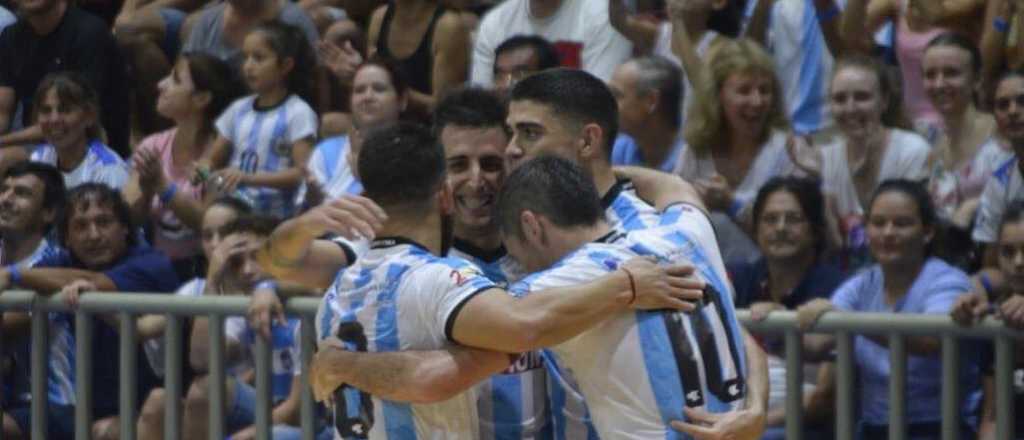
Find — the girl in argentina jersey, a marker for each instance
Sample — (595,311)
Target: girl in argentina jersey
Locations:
(265,139)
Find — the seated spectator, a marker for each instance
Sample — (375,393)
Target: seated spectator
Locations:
(220,214)
(1006,186)
(968,151)
(915,24)
(648,92)
(790,229)
(691,29)
(233,269)
(869,149)
(579,30)
(429,43)
(30,196)
(103,255)
(519,57)
(221,29)
(379,96)
(265,139)
(901,226)
(67,111)
(149,34)
(1003,287)
(53,36)
(160,189)
(735,138)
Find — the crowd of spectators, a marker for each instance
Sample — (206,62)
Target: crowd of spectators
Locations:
(857,155)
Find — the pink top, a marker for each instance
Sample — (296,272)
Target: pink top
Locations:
(169,234)
(910,47)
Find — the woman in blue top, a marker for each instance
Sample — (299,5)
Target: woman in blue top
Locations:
(901,226)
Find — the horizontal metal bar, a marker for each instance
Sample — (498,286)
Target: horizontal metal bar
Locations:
(146,303)
(909,324)
(776,322)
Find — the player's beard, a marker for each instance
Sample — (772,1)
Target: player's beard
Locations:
(447,233)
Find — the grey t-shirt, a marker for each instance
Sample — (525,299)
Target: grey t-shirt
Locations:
(208,33)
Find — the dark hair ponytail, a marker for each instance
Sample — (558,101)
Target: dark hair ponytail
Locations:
(288,41)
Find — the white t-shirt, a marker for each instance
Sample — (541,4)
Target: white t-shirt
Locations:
(579,30)
(1005,188)
(100,165)
(906,157)
(773,160)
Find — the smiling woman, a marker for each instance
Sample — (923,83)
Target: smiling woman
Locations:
(67,110)
(869,149)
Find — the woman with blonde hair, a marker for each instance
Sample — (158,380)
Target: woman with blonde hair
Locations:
(736,135)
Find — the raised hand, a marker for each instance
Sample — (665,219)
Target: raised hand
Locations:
(341,60)
(349,216)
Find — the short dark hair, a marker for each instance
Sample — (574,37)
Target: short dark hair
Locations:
(575,94)
(260,225)
(211,74)
(241,207)
(54,192)
(398,79)
(550,186)
(288,41)
(658,74)
(808,195)
(401,164)
(917,192)
(472,107)
(547,56)
(87,194)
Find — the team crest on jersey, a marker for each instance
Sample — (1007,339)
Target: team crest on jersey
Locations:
(282,148)
(463,274)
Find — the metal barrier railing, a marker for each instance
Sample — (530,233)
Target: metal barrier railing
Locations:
(129,306)
(896,327)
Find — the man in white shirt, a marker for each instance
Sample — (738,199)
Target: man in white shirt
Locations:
(579,30)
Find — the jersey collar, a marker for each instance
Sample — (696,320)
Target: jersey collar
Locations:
(386,242)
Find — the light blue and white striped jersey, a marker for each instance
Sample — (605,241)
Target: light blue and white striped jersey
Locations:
(626,211)
(100,164)
(803,62)
(285,355)
(60,381)
(513,404)
(639,369)
(330,168)
(398,296)
(262,142)
(1004,189)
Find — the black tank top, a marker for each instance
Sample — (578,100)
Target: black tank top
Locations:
(418,67)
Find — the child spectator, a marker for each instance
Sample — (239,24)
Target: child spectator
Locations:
(265,139)
(1002,287)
